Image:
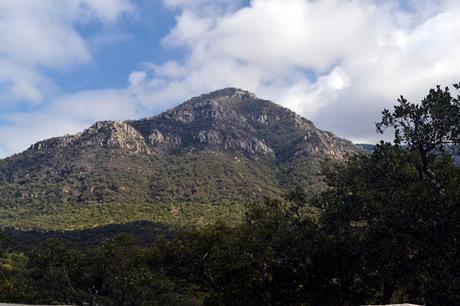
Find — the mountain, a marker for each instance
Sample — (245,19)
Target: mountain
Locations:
(223,147)
(366,147)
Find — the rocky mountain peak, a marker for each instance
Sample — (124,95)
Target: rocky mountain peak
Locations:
(227,145)
(223,104)
(55,142)
(230,92)
(119,134)
(229,120)
(110,134)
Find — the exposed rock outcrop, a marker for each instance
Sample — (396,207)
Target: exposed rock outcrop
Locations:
(230,120)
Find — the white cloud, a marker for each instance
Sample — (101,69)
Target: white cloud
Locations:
(337,62)
(41,34)
(425,57)
(23,83)
(103,104)
(66,115)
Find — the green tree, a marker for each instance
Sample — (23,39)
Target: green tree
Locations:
(397,209)
(60,274)
(426,129)
(14,284)
(128,277)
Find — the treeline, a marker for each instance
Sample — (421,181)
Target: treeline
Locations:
(385,231)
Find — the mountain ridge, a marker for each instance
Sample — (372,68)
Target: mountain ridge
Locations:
(144,136)
(224,146)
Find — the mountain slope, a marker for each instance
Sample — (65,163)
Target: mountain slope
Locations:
(225,146)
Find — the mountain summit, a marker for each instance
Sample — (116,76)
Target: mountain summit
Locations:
(227,145)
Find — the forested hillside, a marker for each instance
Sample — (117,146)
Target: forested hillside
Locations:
(386,230)
(225,146)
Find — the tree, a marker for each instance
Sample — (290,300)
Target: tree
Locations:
(426,129)
(59,273)
(126,275)
(13,281)
(398,209)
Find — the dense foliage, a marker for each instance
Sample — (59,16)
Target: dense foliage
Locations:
(386,230)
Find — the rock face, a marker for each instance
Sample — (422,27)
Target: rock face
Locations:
(241,136)
(114,134)
(108,134)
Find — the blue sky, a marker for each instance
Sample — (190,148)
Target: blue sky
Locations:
(137,40)
(65,64)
